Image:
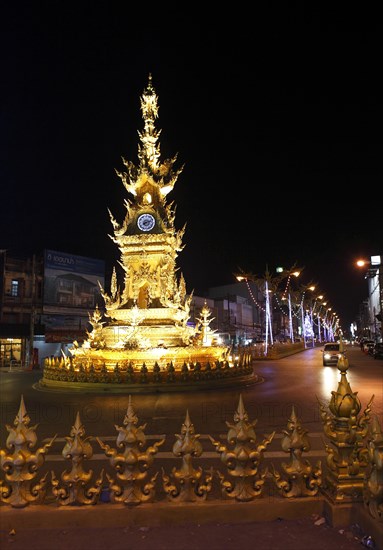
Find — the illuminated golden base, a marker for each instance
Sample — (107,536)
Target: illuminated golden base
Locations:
(178,355)
(175,369)
(235,380)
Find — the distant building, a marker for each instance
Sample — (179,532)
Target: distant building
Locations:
(45,303)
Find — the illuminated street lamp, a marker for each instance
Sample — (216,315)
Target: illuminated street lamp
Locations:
(321,305)
(374,275)
(327,325)
(305,320)
(288,273)
(291,331)
(269,325)
(267,286)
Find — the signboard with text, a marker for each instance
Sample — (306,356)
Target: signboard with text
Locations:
(71,283)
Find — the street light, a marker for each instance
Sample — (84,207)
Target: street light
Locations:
(319,318)
(305,320)
(374,275)
(313,312)
(325,324)
(288,273)
(253,291)
(267,286)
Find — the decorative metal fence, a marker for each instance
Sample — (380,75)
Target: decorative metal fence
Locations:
(354,461)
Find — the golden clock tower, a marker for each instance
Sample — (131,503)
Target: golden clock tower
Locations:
(150,310)
(145,337)
(152,298)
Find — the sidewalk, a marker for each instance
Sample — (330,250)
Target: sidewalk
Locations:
(310,533)
(272,524)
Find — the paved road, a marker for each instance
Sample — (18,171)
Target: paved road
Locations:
(298,380)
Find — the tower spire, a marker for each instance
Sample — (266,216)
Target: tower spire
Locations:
(149,152)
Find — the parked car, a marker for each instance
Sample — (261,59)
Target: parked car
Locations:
(365,344)
(369,348)
(378,351)
(331,353)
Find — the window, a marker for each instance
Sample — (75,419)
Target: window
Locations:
(331,347)
(14,287)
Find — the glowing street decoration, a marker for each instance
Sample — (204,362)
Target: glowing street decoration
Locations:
(303,324)
(308,328)
(269,327)
(291,331)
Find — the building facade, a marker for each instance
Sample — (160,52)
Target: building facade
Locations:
(45,302)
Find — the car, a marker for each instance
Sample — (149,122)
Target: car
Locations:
(378,351)
(331,353)
(369,348)
(366,344)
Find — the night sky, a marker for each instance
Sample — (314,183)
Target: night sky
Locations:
(276,117)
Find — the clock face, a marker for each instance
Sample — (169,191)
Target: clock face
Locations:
(146,222)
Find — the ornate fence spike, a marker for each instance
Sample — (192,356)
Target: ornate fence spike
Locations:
(354,461)
(186,485)
(74,488)
(21,464)
(347,456)
(302,478)
(242,457)
(373,481)
(131,462)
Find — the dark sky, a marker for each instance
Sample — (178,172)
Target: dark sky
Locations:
(276,116)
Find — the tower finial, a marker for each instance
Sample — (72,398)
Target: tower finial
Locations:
(149,87)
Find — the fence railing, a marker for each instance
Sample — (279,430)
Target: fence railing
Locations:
(353,473)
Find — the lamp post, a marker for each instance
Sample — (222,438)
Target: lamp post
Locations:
(374,275)
(267,286)
(325,337)
(303,324)
(253,293)
(310,287)
(289,273)
(315,311)
(311,312)
(269,325)
(318,315)
(333,326)
(291,331)
(330,320)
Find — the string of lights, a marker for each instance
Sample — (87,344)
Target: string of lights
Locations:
(305,310)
